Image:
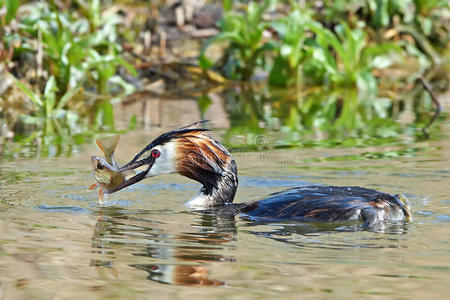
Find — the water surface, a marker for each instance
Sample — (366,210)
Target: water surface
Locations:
(57,242)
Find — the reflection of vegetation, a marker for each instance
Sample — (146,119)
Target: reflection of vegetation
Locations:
(403,152)
(264,118)
(55,123)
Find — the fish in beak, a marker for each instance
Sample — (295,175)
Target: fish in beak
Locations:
(107,174)
(136,178)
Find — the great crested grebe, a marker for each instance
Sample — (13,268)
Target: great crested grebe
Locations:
(191,152)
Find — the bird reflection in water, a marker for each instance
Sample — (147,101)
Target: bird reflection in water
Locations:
(181,258)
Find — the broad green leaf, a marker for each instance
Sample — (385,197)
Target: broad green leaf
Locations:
(11,9)
(381,13)
(366,83)
(127,87)
(277,75)
(227,5)
(105,115)
(224,36)
(370,52)
(285,50)
(381,106)
(50,96)
(204,62)
(72,119)
(51,43)
(35,98)
(381,62)
(280,27)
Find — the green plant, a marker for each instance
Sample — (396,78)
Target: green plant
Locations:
(290,49)
(52,124)
(103,69)
(10,7)
(347,57)
(48,105)
(244,33)
(426,21)
(74,51)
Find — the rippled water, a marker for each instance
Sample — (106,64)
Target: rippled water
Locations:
(56,242)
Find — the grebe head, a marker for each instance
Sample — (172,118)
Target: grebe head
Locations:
(191,152)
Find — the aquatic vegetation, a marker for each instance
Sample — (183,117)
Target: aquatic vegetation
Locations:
(314,72)
(73,54)
(291,50)
(52,122)
(73,51)
(346,57)
(341,43)
(47,105)
(9,11)
(425,20)
(244,33)
(11,7)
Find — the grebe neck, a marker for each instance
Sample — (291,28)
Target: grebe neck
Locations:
(219,190)
(190,152)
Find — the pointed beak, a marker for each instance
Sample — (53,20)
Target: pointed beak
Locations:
(136,178)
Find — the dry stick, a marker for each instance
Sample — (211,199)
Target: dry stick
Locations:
(435,101)
(39,56)
(162,43)
(147,42)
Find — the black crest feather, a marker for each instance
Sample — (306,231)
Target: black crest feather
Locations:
(171,135)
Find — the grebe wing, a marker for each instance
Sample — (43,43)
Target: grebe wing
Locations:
(328,203)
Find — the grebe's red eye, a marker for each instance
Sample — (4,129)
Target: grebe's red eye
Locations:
(156,153)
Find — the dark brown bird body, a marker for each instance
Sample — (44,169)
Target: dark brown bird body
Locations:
(330,203)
